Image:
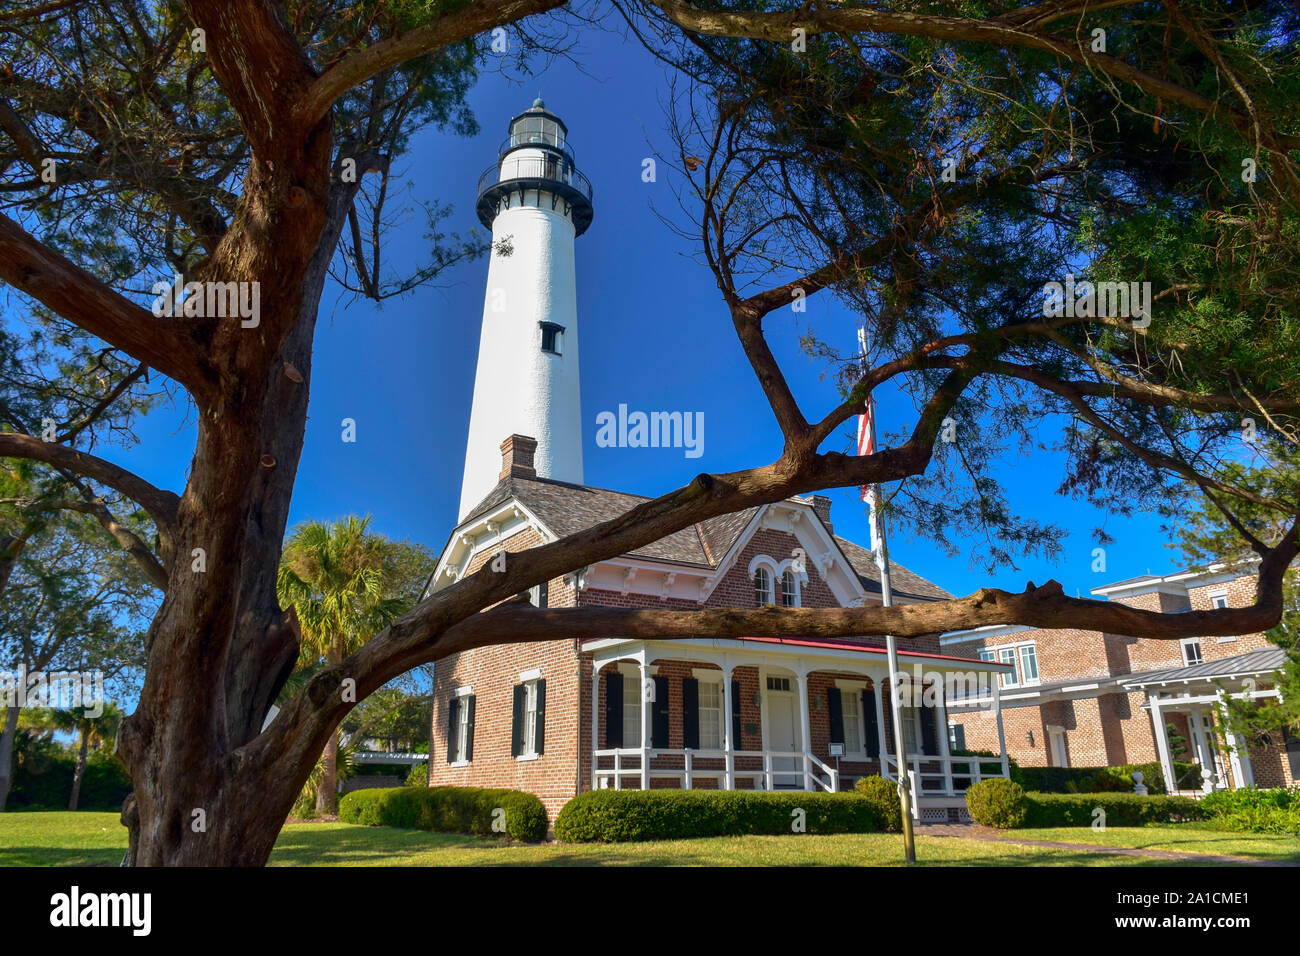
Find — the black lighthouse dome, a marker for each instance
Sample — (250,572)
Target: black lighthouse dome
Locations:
(535,165)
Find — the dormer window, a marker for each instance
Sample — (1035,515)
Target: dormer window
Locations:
(552,338)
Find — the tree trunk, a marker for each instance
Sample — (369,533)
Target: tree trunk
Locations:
(327,794)
(220,647)
(79,769)
(7,753)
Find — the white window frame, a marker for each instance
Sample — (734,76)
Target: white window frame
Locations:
(912,721)
(462,726)
(853,690)
(1015,652)
(1020,659)
(1215,597)
(796,598)
(763,596)
(711,679)
(1200,651)
(528,738)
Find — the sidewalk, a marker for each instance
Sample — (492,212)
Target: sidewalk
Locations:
(973,831)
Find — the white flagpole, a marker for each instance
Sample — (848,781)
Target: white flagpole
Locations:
(881,547)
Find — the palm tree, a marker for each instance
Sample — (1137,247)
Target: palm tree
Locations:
(336,578)
(92,732)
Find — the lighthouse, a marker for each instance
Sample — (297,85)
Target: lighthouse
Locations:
(536,203)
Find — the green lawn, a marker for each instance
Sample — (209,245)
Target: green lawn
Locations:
(1180,838)
(81,839)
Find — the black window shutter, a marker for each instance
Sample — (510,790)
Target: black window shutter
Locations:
(469,735)
(872,725)
(613,710)
(691,713)
(957,737)
(929,738)
(540,722)
(517,722)
(737,741)
(659,714)
(835,705)
(453,713)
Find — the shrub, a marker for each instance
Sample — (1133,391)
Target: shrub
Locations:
(884,797)
(1106,779)
(620,816)
(45,782)
(1122,809)
(419,775)
(996,803)
(1250,810)
(448,810)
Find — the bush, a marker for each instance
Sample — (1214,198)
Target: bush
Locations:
(884,797)
(419,775)
(1250,810)
(996,803)
(448,810)
(1122,809)
(44,782)
(620,816)
(1107,779)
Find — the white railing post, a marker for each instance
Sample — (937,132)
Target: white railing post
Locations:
(941,730)
(767,770)
(689,785)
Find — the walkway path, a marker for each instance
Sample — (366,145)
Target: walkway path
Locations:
(972,831)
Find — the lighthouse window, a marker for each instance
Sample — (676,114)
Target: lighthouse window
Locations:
(552,338)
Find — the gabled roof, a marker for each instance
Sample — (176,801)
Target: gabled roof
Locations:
(566,508)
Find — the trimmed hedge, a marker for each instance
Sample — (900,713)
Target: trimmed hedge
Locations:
(997,803)
(448,810)
(1251,810)
(623,816)
(1117,779)
(45,783)
(884,795)
(1122,809)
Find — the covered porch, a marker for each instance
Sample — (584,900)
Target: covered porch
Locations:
(779,714)
(1194,694)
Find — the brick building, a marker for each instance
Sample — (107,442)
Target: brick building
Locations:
(561,717)
(1084,698)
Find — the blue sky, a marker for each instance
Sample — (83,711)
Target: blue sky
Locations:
(654,335)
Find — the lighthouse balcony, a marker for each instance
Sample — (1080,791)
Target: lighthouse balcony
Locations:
(535,177)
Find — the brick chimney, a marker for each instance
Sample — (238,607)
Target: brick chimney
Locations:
(822,505)
(517,457)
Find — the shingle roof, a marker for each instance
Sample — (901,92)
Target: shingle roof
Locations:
(567,508)
(1252,662)
(901,580)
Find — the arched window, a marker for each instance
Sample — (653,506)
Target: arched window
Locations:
(762,587)
(789,591)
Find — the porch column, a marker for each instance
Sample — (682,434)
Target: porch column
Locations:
(1204,756)
(995,682)
(728,745)
(646,685)
(941,731)
(1243,774)
(880,724)
(805,743)
(1162,743)
(595,720)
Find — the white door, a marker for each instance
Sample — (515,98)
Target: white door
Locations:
(783,735)
(1060,755)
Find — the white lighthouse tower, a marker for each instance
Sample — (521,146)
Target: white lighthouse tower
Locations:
(536,203)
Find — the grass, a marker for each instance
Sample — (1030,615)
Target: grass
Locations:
(1176,837)
(98,839)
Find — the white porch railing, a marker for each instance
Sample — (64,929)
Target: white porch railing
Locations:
(954,774)
(805,772)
